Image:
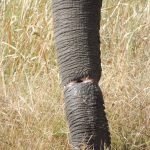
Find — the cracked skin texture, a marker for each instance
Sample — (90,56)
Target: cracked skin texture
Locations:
(85,113)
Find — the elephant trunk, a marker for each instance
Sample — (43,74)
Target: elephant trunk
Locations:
(87,120)
(76,30)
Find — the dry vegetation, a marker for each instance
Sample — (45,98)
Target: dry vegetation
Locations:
(31,101)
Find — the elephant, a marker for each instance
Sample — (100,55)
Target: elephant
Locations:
(76,34)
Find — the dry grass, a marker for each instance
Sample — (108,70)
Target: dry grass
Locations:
(31,101)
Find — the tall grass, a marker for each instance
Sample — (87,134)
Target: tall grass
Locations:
(31,101)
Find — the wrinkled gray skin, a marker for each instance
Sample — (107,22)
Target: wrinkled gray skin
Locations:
(76,30)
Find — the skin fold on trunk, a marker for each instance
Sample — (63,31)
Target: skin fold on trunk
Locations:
(76,33)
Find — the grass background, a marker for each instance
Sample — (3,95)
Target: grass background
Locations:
(31,101)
